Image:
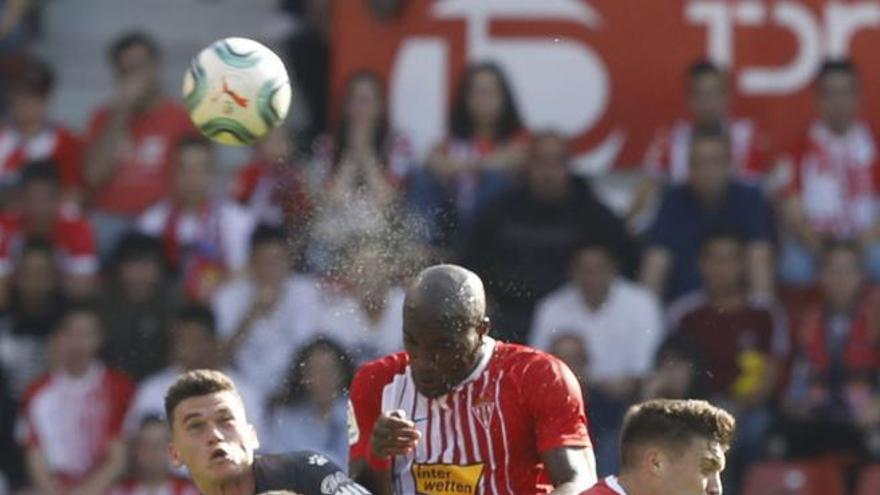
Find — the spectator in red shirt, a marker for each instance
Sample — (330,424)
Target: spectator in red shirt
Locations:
(150,469)
(72,417)
(835,183)
(30,136)
(833,399)
(742,342)
(272,186)
(40,215)
(127,164)
(667,159)
(487,145)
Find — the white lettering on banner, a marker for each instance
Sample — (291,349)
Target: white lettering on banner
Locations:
(816,37)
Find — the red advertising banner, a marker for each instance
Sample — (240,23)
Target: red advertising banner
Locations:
(608,73)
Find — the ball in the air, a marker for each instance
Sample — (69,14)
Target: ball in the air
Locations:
(236,91)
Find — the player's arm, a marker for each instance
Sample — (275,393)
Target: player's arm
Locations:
(563,442)
(572,469)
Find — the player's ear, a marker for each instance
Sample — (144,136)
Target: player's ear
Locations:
(483,327)
(655,460)
(174,455)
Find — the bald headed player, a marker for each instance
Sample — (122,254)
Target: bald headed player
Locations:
(459,412)
(673,447)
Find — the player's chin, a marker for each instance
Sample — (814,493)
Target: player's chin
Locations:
(432,389)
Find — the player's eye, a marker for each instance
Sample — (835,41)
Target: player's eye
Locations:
(195,426)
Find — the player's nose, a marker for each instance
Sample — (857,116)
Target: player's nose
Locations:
(714,486)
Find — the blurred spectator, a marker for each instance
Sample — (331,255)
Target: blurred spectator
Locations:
(149,464)
(127,165)
(40,215)
(272,187)
(619,326)
(619,322)
(194,346)
(522,243)
(36,302)
(743,343)
(711,200)
(204,236)
(16,33)
(136,307)
(72,417)
(667,161)
(30,136)
(678,371)
(309,408)
(11,466)
(308,56)
(364,167)
(487,144)
(833,401)
(836,180)
(366,314)
(264,317)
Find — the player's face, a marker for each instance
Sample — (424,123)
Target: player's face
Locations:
(39,200)
(212,438)
(35,276)
(27,108)
(695,471)
(440,358)
(708,98)
(269,262)
(838,100)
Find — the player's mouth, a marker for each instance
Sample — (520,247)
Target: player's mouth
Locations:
(220,455)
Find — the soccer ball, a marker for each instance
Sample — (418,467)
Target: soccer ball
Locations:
(236,91)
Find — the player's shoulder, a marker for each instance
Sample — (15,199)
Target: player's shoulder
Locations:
(305,472)
(524,361)
(382,370)
(607,486)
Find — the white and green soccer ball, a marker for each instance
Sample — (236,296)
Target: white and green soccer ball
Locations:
(236,91)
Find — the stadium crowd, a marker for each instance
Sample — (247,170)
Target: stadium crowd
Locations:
(740,274)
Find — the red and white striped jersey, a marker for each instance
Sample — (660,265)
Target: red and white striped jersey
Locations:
(668,156)
(53,142)
(606,486)
(486,435)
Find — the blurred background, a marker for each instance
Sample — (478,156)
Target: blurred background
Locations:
(677,198)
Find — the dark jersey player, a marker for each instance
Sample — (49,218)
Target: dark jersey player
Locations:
(673,447)
(210,435)
(459,412)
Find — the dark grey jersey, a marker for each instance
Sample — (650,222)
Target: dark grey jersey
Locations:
(304,473)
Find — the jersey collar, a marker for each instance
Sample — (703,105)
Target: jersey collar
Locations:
(488,348)
(614,485)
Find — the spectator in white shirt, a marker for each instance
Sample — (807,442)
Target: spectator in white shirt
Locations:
(204,235)
(193,346)
(620,322)
(264,317)
(309,408)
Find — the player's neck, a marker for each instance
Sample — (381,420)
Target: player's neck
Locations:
(241,485)
(632,484)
